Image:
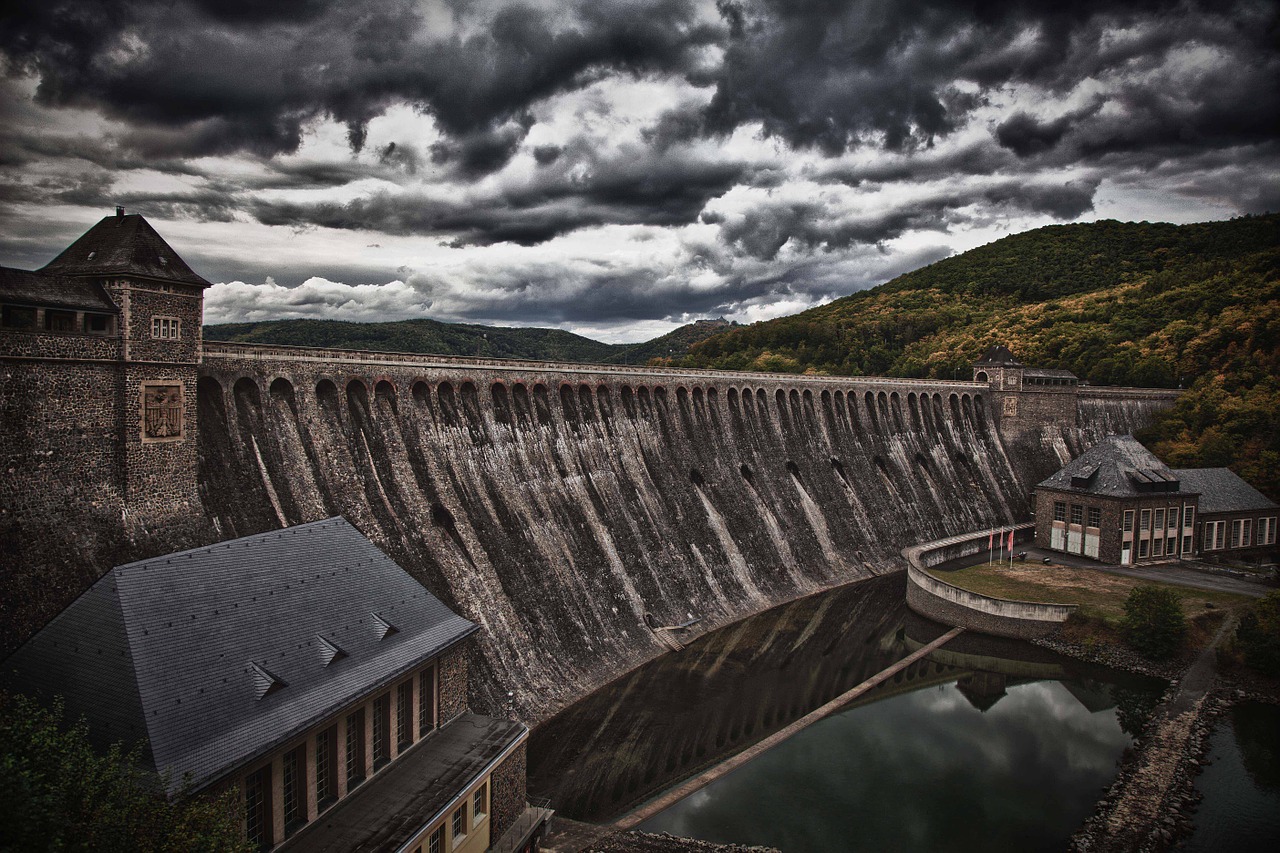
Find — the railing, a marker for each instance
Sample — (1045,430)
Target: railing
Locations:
(277,352)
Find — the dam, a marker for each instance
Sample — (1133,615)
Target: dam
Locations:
(568,509)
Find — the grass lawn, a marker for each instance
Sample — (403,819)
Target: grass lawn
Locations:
(1099,595)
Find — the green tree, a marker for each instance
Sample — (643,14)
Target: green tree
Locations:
(1258,634)
(58,793)
(1153,623)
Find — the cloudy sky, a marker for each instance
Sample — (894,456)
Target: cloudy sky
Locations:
(616,167)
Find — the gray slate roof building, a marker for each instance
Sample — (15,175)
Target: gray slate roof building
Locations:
(217,654)
(1118,466)
(1221,490)
(21,287)
(124,245)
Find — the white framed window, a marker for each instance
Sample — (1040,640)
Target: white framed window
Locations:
(166,328)
(1246,533)
(480,803)
(1215,534)
(1186,544)
(1059,511)
(1159,524)
(1095,516)
(1144,520)
(1157,546)
(460,824)
(1188,517)
(1235,533)
(1128,521)
(1267,531)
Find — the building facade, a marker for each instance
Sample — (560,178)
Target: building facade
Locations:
(1117,503)
(304,669)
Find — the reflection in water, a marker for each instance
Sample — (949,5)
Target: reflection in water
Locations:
(1241,786)
(921,771)
(961,750)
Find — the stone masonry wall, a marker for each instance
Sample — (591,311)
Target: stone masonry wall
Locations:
(453,668)
(507,797)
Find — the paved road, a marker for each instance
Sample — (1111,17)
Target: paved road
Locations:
(1167,573)
(1194,578)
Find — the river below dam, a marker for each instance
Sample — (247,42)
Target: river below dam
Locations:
(984,744)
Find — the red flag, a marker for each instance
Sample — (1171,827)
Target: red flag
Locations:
(1010,540)
(991,539)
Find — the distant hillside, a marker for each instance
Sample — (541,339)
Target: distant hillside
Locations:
(424,336)
(1117,303)
(436,338)
(673,344)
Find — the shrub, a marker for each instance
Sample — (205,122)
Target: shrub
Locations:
(1258,635)
(1153,623)
(58,793)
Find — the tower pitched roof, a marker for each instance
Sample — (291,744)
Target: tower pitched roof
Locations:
(218,654)
(1117,466)
(999,355)
(124,244)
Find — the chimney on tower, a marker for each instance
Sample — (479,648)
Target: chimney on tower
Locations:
(119,210)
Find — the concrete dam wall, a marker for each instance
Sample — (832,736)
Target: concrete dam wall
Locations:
(567,508)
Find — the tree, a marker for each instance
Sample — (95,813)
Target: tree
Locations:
(1258,634)
(1153,623)
(58,793)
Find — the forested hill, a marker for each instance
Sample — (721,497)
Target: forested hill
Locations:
(1117,303)
(436,338)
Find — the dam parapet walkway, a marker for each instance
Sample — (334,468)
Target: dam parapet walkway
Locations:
(934,598)
(251,352)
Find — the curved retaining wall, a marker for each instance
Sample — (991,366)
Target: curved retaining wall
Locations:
(938,600)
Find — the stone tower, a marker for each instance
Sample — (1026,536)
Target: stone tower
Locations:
(999,368)
(160,301)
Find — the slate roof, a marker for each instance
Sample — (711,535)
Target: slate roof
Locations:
(1222,491)
(170,648)
(1049,372)
(124,244)
(386,811)
(21,287)
(1115,467)
(999,355)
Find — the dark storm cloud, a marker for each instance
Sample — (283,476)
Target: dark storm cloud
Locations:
(762,230)
(200,68)
(633,189)
(831,75)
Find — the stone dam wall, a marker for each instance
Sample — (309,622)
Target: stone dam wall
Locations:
(557,505)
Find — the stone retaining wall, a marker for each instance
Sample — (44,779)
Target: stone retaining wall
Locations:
(938,600)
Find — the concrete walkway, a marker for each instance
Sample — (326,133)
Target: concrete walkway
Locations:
(1173,573)
(732,763)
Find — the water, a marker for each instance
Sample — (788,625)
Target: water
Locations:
(987,744)
(1240,811)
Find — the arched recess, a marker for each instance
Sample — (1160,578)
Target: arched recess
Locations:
(448,403)
(520,402)
(542,404)
(568,404)
(501,403)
